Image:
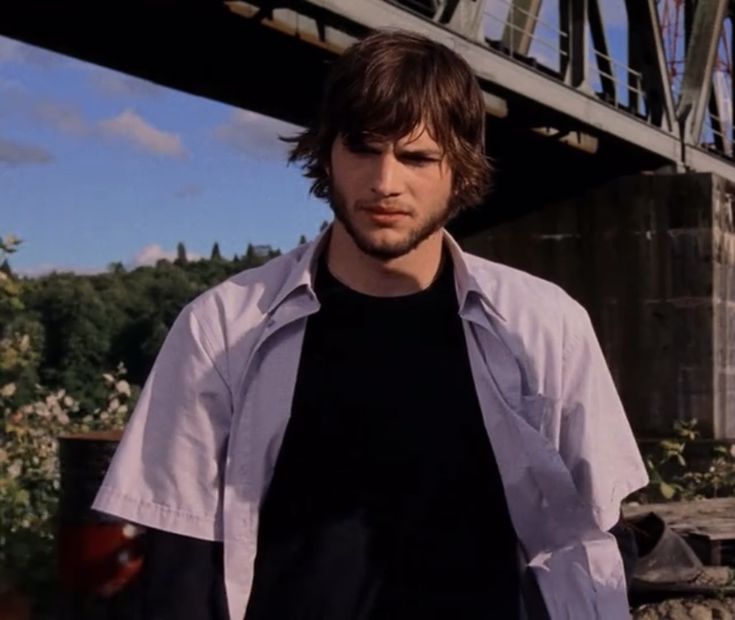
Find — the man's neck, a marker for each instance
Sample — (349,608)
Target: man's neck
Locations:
(365,274)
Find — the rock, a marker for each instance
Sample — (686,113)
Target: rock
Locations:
(688,609)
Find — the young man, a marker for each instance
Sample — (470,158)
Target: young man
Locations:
(378,425)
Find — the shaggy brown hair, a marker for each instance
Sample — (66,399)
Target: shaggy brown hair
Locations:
(385,85)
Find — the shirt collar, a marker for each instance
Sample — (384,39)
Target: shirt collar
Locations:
(469,290)
(301,277)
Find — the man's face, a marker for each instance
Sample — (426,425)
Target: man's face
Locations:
(390,196)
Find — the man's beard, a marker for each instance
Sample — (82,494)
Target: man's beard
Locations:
(390,250)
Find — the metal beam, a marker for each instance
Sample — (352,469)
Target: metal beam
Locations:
(514,77)
(646,56)
(466,18)
(519,80)
(715,113)
(520,25)
(602,55)
(700,60)
(731,137)
(703,161)
(573,41)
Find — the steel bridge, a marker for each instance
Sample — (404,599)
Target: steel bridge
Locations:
(560,105)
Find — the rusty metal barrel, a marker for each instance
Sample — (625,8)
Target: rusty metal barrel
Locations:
(99,556)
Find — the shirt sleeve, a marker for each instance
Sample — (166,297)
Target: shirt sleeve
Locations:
(596,440)
(167,470)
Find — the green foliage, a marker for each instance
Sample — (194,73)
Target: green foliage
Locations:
(29,472)
(86,324)
(671,478)
(18,332)
(31,419)
(58,336)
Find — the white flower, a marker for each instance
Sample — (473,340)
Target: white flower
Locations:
(68,401)
(15,469)
(114,404)
(108,378)
(3,455)
(123,387)
(63,418)
(7,390)
(10,240)
(122,410)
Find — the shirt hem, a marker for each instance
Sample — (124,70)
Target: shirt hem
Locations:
(150,514)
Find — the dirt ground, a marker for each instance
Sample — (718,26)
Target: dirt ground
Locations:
(688,609)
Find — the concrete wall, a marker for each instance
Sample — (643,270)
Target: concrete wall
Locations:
(651,258)
(723,276)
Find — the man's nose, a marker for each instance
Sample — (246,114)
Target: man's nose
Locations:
(385,175)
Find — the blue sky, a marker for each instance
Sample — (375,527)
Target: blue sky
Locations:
(97,166)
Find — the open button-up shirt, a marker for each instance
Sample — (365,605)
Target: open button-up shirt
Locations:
(198,452)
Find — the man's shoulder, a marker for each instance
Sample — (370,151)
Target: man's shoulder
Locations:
(244,297)
(513,291)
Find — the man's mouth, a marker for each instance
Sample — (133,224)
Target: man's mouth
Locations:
(385,216)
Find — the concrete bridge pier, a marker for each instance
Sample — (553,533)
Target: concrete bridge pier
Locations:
(652,258)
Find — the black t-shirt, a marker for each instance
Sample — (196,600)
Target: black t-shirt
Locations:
(386,502)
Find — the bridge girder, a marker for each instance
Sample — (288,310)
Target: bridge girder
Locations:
(558,103)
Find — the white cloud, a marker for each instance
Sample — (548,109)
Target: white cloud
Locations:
(132,128)
(13,97)
(12,51)
(17,100)
(11,86)
(152,253)
(17,154)
(254,134)
(44,269)
(62,117)
(121,85)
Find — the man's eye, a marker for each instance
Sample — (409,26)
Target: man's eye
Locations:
(419,160)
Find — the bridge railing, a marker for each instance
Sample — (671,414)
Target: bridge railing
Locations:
(581,58)
(552,53)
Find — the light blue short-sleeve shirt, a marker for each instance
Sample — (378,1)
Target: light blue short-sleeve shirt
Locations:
(198,452)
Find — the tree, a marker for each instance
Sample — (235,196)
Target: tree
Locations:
(324,226)
(181,258)
(215,252)
(250,254)
(117,268)
(302,240)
